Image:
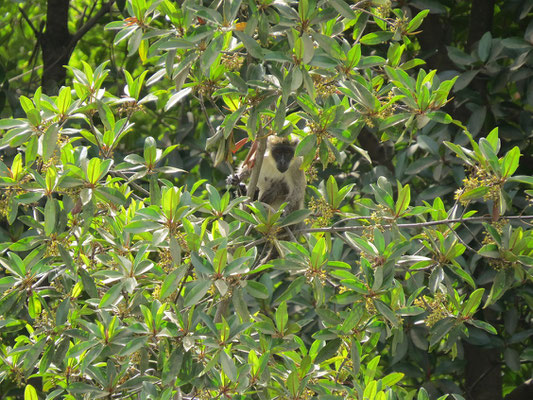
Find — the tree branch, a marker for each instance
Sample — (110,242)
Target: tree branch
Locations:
(420,224)
(25,16)
(260,154)
(106,7)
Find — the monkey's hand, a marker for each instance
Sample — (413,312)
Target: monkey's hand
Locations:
(233,180)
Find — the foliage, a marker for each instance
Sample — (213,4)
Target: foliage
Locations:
(122,276)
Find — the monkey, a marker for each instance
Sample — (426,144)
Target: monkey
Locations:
(281,179)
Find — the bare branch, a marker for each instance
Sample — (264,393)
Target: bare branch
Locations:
(478,220)
(206,114)
(25,16)
(260,154)
(106,7)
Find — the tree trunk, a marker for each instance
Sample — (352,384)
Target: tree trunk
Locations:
(481,16)
(522,392)
(55,43)
(483,375)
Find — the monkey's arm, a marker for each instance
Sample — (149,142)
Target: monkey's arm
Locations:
(237,178)
(296,197)
(274,192)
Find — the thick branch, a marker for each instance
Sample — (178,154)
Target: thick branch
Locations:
(259,155)
(522,392)
(57,43)
(481,16)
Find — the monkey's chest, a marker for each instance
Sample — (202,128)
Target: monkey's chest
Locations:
(273,191)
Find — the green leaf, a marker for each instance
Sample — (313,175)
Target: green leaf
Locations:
(355,353)
(113,195)
(293,289)
(362,244)
(342,8)
(88,283)
(106,115)
(387,312)
(196,292)
(328,351)
(170,284)
(142,226)
(484,46)
(293,383)
(473,303)
(439,330)
(211,53)
(475,193)
(489,153)
(440,117)
(417,21)
(404,198)
(392,378)
(483,325)
(522,179)
(422,394)
(50,216)
(50,141)
(306,145)
(282,317)
(257,290)
(62,312)
(111,295)
(177,97)
(374,38)
(64,99)
(132,346)
(510,162)
(497,289)
(173,366)
(228,366)
(251,45)
(459,57)
(231,119)
(30,393)
(33,354)
(295,217)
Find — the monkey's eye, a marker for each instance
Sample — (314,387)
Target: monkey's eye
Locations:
(285,153)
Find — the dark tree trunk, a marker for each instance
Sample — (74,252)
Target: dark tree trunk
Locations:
(377,151)
(433,39)
(481,16)
(483,377)
(522,392)
(55,44)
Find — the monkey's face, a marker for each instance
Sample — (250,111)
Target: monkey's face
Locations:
(283,156)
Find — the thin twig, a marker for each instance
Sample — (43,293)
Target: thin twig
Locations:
(25,16)
(340,369)
(135,185)
(421,224)
(30,71)
(342,221)
(215,105)
(202,105)
(90,23)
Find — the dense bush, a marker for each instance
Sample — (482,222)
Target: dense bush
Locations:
(130,271)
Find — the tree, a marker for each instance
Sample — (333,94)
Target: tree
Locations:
(125,276)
